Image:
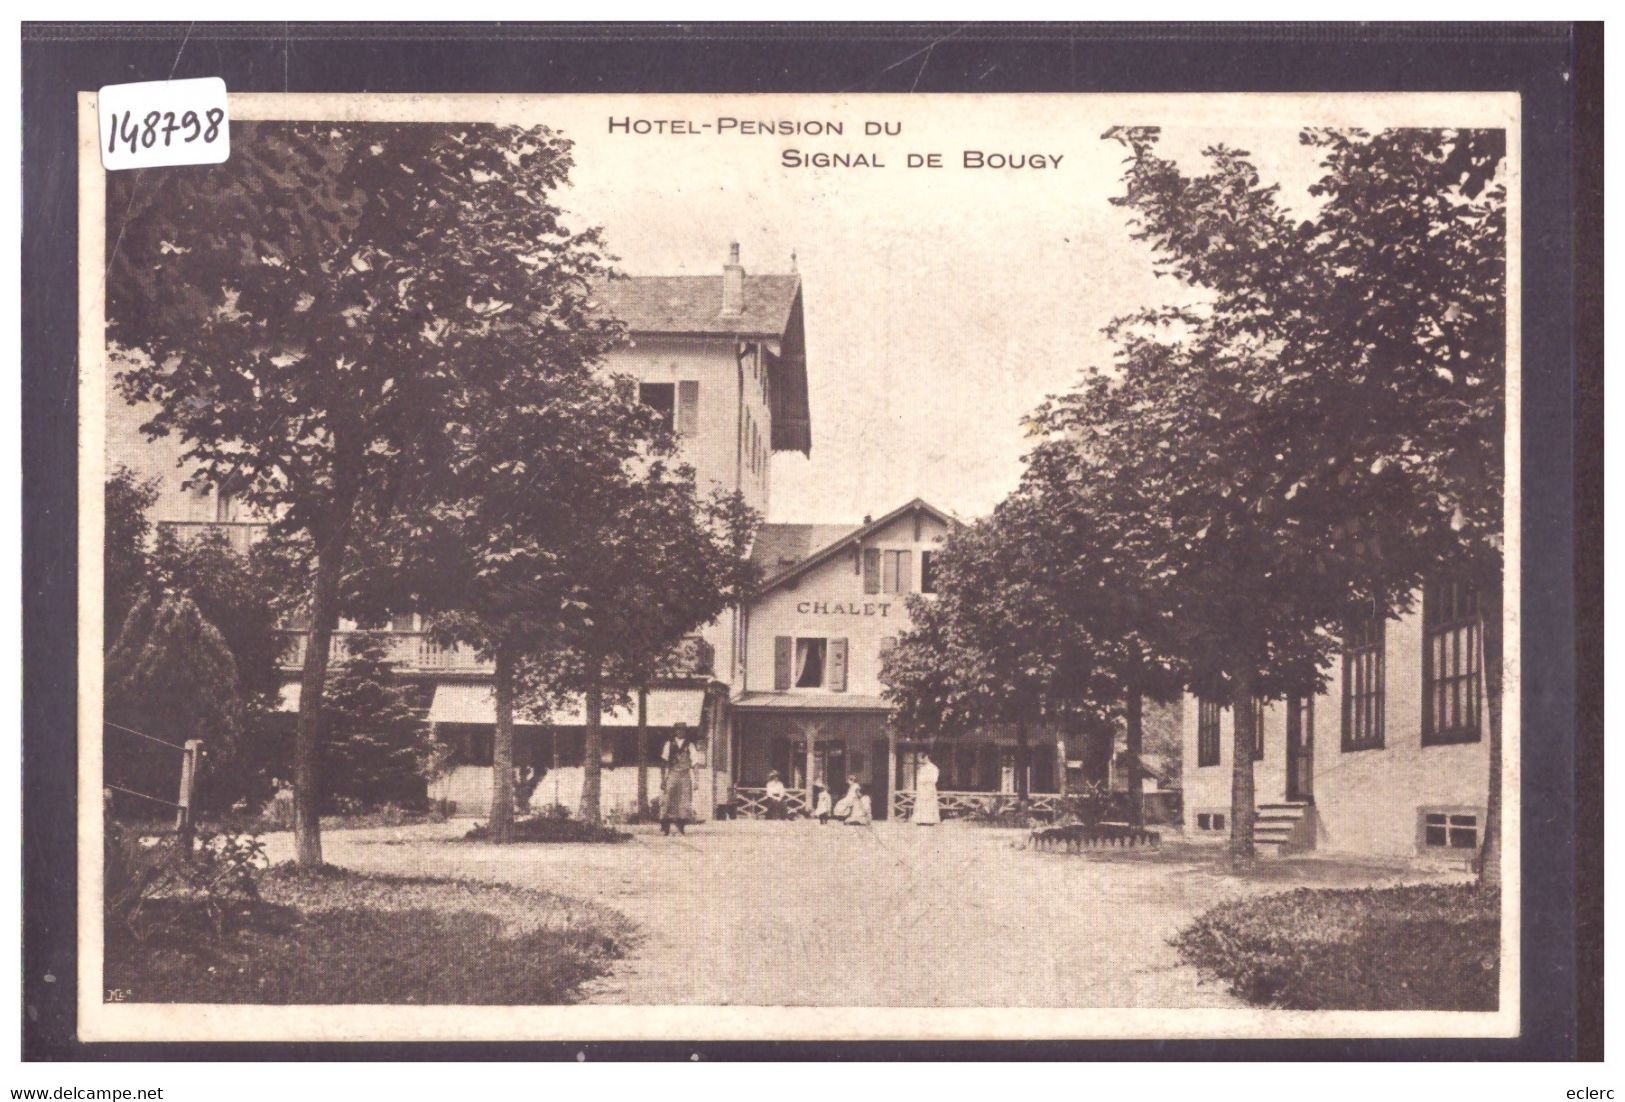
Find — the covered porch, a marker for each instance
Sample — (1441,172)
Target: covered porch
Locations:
(828,739)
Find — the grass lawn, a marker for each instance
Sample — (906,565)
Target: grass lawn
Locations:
(334,936)
(1416,947)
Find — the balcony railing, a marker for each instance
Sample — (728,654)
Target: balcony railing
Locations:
(415,652)
(240,534)
(408,650)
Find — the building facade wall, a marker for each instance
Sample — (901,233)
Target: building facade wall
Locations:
(829,602)
(1365,801)
(731,448)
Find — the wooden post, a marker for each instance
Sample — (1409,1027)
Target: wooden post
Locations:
(891,772)
(190,762)
(643,752)
(1022,779)
(811,732)
(1060,761)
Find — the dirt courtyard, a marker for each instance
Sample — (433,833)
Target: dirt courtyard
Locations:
(794,913)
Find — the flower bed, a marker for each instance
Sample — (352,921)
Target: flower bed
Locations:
(547,828)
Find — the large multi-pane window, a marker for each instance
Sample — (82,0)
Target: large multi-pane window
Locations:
(1363,683)
(1451,663)
(1207,732)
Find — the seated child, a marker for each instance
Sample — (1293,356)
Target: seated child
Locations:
(822,807)
(861,813)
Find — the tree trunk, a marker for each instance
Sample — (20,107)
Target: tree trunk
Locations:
(592,765)
(1134,739)
(1489,857)
(643,753)
(1021,759)
(1098,740)
(324,617)
(1060,761)
(502,750)
(1241,774)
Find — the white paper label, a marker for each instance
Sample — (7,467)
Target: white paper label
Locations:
(164,122)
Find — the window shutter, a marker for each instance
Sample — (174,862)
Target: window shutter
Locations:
(871,570)
(889,575)
(781,663)
(905,572)
(688,408)
(836,674)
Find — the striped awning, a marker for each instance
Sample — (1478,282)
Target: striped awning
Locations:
(477,704)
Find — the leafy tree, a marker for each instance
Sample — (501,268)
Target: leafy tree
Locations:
(1084,528)
(660,563)
(537,451)
(377,746)
(301,313)
(1320,427)
(126,569)
(994,646)
(168,677)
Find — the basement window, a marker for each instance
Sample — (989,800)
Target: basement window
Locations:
(1449,830)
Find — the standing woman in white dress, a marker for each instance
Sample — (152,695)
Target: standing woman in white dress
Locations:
(926,812)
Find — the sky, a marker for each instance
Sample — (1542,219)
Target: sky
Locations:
(942,304)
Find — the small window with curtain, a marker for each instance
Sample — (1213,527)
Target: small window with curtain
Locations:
(1363,696)
(1451,665)
(1207,732)
(811,658)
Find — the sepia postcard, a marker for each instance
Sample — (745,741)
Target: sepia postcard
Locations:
(801,566)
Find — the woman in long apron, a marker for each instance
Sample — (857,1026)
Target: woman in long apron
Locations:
(677,791)
(926,811)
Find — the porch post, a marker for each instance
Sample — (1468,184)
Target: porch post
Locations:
(1060,760)
(811,733)
(891,772)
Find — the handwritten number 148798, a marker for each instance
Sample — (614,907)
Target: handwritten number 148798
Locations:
(162,126)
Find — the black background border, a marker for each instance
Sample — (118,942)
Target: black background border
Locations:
(1557,69)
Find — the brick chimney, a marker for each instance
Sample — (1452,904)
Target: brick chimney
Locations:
(733,284)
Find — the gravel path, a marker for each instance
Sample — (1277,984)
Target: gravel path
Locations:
(792,913)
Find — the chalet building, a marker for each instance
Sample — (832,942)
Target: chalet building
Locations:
(1392,759)
(808,698)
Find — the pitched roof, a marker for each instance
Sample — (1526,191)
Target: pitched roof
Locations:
(780,546)
(833,539)
(693,305)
